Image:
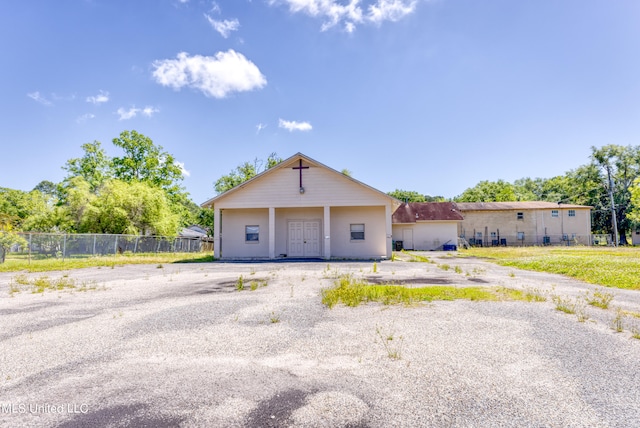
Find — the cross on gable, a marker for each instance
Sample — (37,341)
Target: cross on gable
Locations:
(300,168)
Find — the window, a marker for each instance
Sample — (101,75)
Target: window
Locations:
(493,235)
(572,213)
(554,213)
(520,216)
(251,233)
(357,232)
(478,235)
(520,236)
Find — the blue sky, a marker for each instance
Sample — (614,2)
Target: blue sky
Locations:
(432,96)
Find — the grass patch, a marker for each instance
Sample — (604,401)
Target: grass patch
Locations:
(417,257)
(610,267)
(565,305)
(600,298)
(41,284)
(15,263)
(352,292)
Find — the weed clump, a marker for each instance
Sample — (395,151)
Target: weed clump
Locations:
(352,292)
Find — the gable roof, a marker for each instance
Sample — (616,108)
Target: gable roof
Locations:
(505,206)
(426,211)
(286,164)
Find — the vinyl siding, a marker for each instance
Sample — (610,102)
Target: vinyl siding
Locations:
(428,236)
(375,242)
(281,189)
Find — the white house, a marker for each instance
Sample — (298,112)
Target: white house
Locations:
(301,208)
(426,226)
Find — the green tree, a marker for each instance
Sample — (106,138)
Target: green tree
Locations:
(94,166)
(8,238)
(407,196)
(130,208)
(489,191)
(144,161)
(619,167)
(244,172)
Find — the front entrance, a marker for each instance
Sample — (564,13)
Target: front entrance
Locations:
(304,238)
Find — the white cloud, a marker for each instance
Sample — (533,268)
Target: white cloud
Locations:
(85,117)
(133,112)
(215,76)
(390,10)
(39,98)
(102,97)
(223,27)
(149,111)
(292,125)
(182,168)
(350,12)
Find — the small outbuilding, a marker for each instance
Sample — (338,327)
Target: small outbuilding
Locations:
(426,226)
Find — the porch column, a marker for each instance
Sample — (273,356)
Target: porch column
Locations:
(387,218)
(216,232)
(272,233)
(326,232)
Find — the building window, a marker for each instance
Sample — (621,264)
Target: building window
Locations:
(479,235)
(554,213)
(520,236)
(357,232)
(572,213)
(493,235)
(252,233)
(520,216)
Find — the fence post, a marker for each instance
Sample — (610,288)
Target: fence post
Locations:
(94,245)
(158,246)
(64,246)
(115,246)
(135,246)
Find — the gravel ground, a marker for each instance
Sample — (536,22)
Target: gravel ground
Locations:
(178,345)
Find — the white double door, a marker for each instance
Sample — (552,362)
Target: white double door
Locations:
(304,238)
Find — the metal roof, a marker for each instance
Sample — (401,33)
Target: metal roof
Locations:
(426,211)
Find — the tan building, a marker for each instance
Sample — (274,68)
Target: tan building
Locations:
(426,226)
(524,223)
(301,208)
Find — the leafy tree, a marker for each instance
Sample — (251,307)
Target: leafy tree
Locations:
(346,172)
(244,172)
(407,196)
(130,208)
(634,213)
(45,215)
(144,161)
(619,167)
(94,166)
(48,189)
(8,238)
(489,191)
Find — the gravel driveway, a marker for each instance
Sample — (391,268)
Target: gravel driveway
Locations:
(178,345)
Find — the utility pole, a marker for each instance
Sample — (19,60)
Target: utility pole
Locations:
(614,221)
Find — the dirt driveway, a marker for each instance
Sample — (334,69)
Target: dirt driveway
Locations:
(179,345)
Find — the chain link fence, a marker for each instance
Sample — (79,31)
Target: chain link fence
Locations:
(66,245)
